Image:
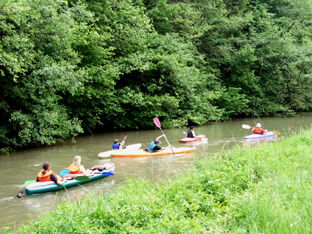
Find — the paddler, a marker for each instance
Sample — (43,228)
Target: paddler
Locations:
(48,175)
(155,145)
(258,129)
(116,145)
(191,133)
(76,168)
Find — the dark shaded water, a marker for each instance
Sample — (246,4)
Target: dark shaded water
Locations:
(24,165)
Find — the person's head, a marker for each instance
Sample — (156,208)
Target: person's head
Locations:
(192,127)
(77,160)
(157,142)
(258,125)
(46,166)
(116,141)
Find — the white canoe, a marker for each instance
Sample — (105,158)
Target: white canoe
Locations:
(108,153)
(259,136)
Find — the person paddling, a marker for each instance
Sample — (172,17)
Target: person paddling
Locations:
(76,168)
(191,133)
(258,129)
(48,175)
(116,145)
(155,145)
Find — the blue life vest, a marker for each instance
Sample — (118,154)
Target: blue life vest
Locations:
(116,145)
(151,147)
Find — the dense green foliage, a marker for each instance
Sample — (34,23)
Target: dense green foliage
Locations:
(248,190)
(69,66)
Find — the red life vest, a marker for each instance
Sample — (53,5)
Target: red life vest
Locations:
(74,170)
(45,177)
(258,131)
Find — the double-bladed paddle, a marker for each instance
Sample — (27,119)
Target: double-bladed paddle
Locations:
(87,178)
(157,123)
(245,126)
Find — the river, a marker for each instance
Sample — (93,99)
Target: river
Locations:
(24,165)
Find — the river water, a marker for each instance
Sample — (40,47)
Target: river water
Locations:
(24,165)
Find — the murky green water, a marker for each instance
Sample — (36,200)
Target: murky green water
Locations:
(24,165)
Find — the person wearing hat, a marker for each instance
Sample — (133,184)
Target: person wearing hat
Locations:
(154,145)
(258,129)
(191,133)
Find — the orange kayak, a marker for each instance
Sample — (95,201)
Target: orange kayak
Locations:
(142,153)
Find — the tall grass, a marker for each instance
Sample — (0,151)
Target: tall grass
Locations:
(266,189)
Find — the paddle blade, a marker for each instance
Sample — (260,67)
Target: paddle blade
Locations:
(28,182)
(277,133)
(82,178)
(245,126)
(107,173)
(125,137)
(64,172)
(157,122)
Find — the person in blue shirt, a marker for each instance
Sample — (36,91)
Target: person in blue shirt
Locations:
(154,145)
(117,145)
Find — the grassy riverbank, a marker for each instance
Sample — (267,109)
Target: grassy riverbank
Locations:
(266,189)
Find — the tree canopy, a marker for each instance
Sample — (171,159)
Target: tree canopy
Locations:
(69,66)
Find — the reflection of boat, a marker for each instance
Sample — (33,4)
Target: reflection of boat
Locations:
(259,136)
(142,153)
(129,147)
(50,186)
(198,138)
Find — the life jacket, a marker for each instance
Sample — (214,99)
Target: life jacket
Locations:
(45,177)
(258,131)
(116,145)
(151,147)
(74,170)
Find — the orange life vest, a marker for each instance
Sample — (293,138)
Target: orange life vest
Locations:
(74,170)
(258,131)
(45,177)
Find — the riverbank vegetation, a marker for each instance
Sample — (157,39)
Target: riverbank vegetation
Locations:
(264,189)
(69,66)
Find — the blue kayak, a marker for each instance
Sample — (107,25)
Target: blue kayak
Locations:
(259,136)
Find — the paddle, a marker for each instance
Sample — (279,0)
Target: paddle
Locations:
(245,126)
(82,178)
(124,139)
(157,123)
(107,173)
(28,182)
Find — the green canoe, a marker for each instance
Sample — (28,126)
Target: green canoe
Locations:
(49,186)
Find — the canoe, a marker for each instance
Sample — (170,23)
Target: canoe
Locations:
(187,139)
(50,186)
(259,136)
(109,152)
(142,153)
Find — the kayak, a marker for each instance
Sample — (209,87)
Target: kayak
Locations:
(50,186)
(188,139)
(259,136)
(109,152)
(143,153)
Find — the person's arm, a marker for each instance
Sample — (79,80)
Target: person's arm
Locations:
(160,137)
(56,180)
(83,170)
